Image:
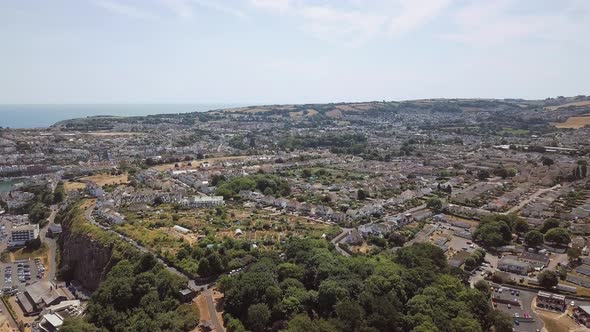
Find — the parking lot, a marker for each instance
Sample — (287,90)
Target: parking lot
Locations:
(19,274)
(525,299)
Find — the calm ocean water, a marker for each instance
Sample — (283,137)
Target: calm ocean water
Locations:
(35,116)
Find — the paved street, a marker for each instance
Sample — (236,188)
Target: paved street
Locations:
(529,199)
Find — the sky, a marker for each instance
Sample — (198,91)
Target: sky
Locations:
(290,51)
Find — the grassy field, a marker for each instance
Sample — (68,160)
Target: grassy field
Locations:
(25,253)
(100,179)
(575,122)
(73,185)
(106,179)
(513,132)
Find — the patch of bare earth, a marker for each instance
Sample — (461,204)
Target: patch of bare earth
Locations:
(575,122)
(574,104)
(335,114)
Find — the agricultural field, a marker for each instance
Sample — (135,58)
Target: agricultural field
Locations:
(574,104)
(574,122)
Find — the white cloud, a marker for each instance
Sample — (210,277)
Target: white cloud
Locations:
(218,6)
(272,5)
(352,27)
(356,21)
(503,21)
(124,9)
(181,8)
(415,13)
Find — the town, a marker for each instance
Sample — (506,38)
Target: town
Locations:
(499,188)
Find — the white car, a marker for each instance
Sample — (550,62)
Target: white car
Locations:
(573,304)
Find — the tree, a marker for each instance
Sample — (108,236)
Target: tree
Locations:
(38,213)
(435,205)
(574,253)
(520,226)
(533,238)
(77,325)
(559,236)
(483,175)
(549,224)
(483,286)
(502,322)
(493,233)
(396,239)
(258,316)
(351,313)
(290,270)
(464,324)
(547,161)
(547,279)
(470,263)
(33,244)
(361,195)
(204,270)
(59,194)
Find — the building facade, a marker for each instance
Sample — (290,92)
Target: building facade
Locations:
(21,234)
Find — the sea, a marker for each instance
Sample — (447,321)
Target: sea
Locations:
(44,115)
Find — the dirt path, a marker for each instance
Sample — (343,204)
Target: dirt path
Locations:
(208,313)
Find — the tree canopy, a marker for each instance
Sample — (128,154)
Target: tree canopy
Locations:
(137,296)
(559,236)
(533,238)
(317,289)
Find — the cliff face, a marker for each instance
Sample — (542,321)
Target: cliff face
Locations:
(88,260)
(84,256)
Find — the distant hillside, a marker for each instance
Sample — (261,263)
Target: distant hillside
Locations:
(337,111)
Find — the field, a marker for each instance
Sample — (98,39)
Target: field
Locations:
(513,132)
(106,179)
(25,253)
(73,185)
(100,179)
(575,104)
(575,122)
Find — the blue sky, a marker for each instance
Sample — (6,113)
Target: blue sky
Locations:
(290,51)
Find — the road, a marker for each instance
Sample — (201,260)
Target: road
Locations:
(212,312)
(339,238)
(530,198)
(51,244)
